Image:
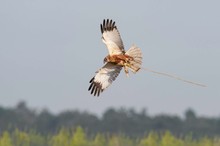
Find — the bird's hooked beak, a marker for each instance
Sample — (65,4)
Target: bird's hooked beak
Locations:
(105,60)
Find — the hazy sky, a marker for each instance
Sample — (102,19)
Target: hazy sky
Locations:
(50,49)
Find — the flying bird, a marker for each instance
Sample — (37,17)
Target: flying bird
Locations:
(116,59)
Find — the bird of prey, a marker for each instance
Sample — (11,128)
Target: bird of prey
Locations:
(117,59)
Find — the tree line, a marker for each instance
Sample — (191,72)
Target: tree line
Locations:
(113,121)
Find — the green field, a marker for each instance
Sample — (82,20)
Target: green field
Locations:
(78,137)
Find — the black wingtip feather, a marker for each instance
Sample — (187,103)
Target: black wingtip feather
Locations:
(98,92)
(107,25)
(90,86)
(107,22)
(113,24)
(104,25)
(95,87)
(101,28)
(92,80)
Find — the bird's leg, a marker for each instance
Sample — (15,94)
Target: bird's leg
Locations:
(127,64)
(126,71)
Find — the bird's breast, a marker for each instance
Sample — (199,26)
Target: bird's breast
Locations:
(120,59)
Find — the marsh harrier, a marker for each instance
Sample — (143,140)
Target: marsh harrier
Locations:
(117,59)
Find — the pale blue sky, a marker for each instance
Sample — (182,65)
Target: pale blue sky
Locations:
(50,49)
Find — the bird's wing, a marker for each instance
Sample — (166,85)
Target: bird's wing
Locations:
(111,37)
(103,78)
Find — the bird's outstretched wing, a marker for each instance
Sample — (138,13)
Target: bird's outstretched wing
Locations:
(103,78)
(111,37)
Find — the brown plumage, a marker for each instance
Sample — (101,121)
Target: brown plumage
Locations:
(117,59)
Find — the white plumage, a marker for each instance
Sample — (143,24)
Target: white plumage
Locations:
(116,59)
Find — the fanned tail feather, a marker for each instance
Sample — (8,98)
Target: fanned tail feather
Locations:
(136,54)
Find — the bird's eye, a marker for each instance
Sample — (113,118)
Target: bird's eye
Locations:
(105,60)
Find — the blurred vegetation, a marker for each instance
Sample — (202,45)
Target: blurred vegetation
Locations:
(115,126)
(78,137)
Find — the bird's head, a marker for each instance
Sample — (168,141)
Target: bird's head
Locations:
(106,59)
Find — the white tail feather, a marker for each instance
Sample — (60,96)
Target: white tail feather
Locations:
(136,54)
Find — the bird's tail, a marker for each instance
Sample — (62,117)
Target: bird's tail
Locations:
(135,62)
